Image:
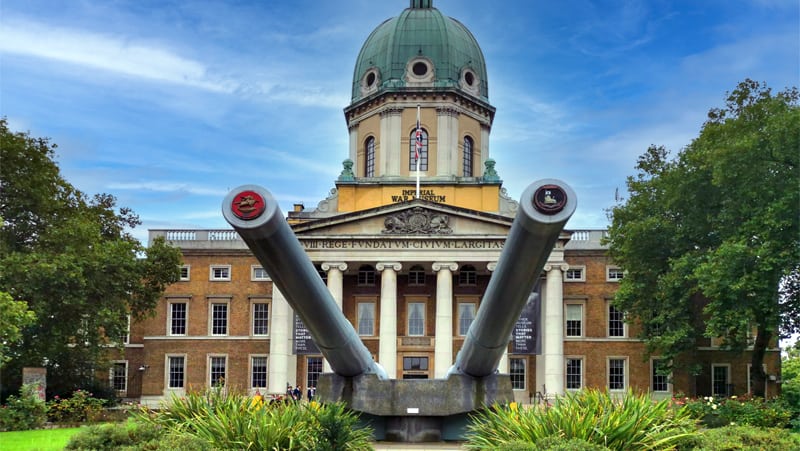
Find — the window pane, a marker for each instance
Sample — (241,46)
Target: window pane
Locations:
(178,318)
(119,376)
(574,373)
(261,319)
(616,323)
(720,380)
(423,154)
(416,275)
(366,275)
(219,319)
(366,318)
(369,150)
(467,156)
(416,319)
(574,320)
(616,374)
(217,371)
(660,381)
(259,372)
(176,372)
(517,373)
(466,314)
(314,370)
(467,275)
(415,363)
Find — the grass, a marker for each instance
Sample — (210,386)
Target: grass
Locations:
(36,440)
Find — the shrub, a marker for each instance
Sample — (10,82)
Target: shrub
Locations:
(133,436)
(739,410)
(23,412)
(554,443)
(746,438)
(232,421)
(81,406)
(632,422)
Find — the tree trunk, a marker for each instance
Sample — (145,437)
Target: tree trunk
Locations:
(758,378)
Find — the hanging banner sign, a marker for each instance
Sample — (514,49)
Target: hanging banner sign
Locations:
(526,337)
(303,343)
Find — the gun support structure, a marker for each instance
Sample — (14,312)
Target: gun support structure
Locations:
(409,410)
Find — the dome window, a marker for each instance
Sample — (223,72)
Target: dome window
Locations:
(470,81)
(370,81)
(419,72)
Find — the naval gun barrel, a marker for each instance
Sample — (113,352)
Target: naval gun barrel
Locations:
(544,209)
(255,215)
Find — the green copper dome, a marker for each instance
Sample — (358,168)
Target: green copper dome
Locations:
(420,48)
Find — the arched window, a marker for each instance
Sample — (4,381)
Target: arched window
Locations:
(467,275)
(369,157)
(468,145)
(416,275)
(423,152)
(366,275)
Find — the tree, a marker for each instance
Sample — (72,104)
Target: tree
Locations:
(717,226)
(71,258)
(15,317)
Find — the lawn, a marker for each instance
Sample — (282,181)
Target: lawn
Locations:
(36,440)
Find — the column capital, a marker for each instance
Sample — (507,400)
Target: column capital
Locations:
(327,266)
(563,266)
(491,266)
(438,266)
(380,266)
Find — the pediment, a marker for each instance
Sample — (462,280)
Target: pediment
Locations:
(414,218)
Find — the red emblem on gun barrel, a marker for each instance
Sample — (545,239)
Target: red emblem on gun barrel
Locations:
(248,205)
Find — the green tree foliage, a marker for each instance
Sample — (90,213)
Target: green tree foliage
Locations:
(14,318)
(72,259)
(717,226)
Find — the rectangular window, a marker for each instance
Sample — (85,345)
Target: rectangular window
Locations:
(176,371)
(221,272)
(185,272)
(721,380)
(466,314)
(415,363)
(314,365)
(574,318)
(219,319)
(366,318)
(258,372)
(659,379)
(616,374)
(517,373)
(260,318)
(574,374)
(614,274)
(126,336)
(177,318)
(616,322)
(575,274)
(258,273)
(416,319)
(217,366)
(119,376)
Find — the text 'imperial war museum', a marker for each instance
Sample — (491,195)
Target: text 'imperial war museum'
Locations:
(408,273)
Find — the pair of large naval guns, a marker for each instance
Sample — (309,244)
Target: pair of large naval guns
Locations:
(409,410)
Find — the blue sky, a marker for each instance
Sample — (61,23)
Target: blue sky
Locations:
(170,104)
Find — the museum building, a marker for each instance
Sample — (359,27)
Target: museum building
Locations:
(406,243)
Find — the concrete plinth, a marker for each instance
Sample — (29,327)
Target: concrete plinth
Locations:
(416,410)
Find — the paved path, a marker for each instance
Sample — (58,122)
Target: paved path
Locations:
(439,446)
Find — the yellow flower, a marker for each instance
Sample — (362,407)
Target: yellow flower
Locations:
(513,406)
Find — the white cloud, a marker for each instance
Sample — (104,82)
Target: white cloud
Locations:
(169,188)
(106,52)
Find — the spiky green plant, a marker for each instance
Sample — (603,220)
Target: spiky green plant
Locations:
(633,421)
(233,421)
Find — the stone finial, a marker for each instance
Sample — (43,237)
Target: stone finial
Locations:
(347,171)
(489,174)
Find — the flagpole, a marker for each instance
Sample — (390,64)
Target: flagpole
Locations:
(418,148)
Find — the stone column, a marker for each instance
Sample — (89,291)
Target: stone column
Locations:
(279,339)
(389,157)
(447,158)
(553,323)
(443,340)
(387,348)
(336,287)
(484,147)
